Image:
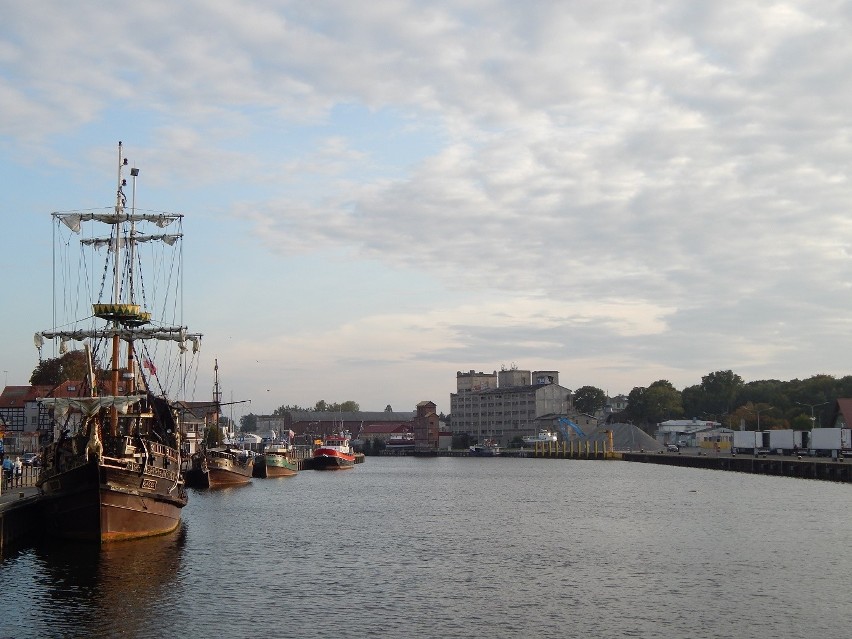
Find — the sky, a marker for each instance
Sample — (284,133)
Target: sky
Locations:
(379,195)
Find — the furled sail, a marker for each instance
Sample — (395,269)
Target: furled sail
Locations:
(73,220)
(89,405)
(99,242)
(177,334)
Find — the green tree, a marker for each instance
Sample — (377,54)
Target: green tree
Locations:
(53,371)
(212,436)
(282,410)
(662,402)
(588,399)
(720,391)
(248,423)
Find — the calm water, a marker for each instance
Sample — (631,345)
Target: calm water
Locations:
(456,547)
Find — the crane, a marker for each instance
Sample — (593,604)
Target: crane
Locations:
(563,423)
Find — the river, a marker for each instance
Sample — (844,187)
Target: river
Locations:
(463,547)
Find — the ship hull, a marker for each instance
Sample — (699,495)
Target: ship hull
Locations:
(333,461)
(100,502)
(280,465)
(224,472)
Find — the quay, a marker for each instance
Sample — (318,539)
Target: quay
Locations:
(19,513)
(804,467)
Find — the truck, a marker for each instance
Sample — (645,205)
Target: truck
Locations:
(748,441)
(825,442)
(785,441)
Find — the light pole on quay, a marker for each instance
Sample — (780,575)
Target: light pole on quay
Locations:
(758,412)
(812,406)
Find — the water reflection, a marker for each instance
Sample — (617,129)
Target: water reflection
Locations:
(108,590)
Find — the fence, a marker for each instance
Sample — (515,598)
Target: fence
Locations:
(28,477)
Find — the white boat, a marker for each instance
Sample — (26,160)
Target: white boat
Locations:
(543,436)
(488,448)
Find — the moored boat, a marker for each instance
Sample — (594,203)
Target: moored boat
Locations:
(280,460)
(113,471)
(488,448)
(220,465)
(227,466)
(400,442)
(335,453)
(543,436)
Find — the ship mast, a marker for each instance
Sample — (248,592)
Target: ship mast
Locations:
(116,290)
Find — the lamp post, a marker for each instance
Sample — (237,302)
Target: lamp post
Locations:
(812,406)
(758,412)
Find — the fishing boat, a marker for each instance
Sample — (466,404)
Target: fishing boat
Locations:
(228,466)
(280,459)
(335,453)
(488,448)
(112,471)
(223,464)
(543,436)
(400,442)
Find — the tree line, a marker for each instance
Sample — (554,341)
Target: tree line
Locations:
(723,396)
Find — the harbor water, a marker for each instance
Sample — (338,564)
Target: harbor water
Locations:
(462,547)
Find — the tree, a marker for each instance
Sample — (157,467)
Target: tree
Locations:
(248,423)
(282,410)
(588,399)
(53,371)
(720,391)
(662,402)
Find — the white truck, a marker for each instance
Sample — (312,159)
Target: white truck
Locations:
(785,441)
(748,441)
(830,441)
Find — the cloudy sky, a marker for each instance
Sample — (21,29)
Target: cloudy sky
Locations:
(378,195)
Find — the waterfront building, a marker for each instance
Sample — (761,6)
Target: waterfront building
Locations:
(307,424)
(511,408)
(26,420)
(426,429)
(675,431)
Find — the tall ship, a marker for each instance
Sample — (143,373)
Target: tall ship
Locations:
(221,465)
(112,469)
(335,453)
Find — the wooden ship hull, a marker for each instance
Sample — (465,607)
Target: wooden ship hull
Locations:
(225,468)
(109,498)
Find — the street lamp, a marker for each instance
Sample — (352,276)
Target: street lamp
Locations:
(758,412)
(812,406)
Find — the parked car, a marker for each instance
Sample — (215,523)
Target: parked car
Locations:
(672,448)
(30,459)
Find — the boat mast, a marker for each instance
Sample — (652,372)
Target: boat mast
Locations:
(116,287)
(131,362)
(217,400)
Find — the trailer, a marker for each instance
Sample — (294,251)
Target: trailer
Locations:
(830,442)
(784,441)
(748,441)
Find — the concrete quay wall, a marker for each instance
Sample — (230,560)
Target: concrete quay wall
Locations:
(806,467)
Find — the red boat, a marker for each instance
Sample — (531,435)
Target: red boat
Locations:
(335,454)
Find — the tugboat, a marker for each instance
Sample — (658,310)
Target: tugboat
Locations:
(113,469)
(335,453)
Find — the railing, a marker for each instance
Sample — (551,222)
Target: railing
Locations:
(28,477)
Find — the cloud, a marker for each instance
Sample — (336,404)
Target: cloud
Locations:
(662,185)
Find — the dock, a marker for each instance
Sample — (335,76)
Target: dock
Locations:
(801,466)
